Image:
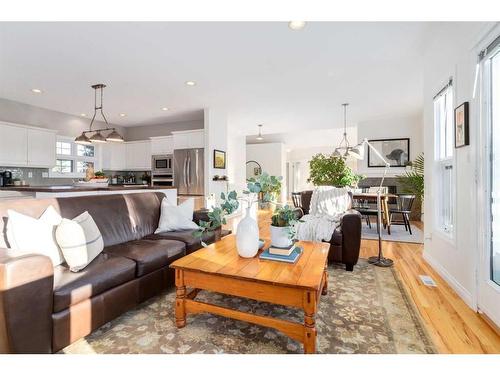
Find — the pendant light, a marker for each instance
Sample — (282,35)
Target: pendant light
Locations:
(343,148)
(260,137)
(97,137)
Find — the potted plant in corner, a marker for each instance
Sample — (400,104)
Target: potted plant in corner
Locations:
(268,189)
(283,226)
(412,182)
(331,170)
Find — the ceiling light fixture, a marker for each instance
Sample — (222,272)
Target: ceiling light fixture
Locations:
(260,137)
(83,114)
(36,91)
(343,149)
(164,109)
(97,137)
(190,83)
(296,25)
(123,114)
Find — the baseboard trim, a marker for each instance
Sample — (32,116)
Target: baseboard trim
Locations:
(455,285)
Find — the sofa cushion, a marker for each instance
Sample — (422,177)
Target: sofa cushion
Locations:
(186,236)
(149,255)
(105,272)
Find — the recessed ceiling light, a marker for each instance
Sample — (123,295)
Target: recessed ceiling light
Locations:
(190,83)
(296,25)
(164,109)
(83,114)
(36,91)
(122,115)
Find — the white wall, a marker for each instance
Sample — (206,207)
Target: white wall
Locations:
(452,53)
(401,127)
(272,158)
(65,124)
(215,124)
(138,133)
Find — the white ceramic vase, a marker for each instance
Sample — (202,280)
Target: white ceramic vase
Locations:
(280,236)
(247,236)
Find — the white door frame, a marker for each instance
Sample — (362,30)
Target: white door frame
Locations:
(488,292)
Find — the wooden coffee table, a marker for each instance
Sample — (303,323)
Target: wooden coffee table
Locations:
(219,268)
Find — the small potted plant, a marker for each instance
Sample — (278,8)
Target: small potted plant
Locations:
(217,216)
(268,189)
(283,226)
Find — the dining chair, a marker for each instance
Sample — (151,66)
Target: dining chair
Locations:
(404,204)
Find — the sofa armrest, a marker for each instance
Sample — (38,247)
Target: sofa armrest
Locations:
(200,215)
(351,237)
(26,298)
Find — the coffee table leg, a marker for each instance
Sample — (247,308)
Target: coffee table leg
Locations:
(309,323)
(180,308)
(324,291)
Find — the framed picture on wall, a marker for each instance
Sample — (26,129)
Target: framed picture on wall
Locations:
(462,125)
(396,151)
(219,159)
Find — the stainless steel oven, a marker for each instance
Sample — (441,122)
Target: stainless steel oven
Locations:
(162,164)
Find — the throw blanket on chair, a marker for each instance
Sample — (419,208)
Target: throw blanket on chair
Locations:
(328,203)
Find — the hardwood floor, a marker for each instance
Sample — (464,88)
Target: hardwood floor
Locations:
(453,326)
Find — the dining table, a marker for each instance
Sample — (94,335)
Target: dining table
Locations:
(384,202)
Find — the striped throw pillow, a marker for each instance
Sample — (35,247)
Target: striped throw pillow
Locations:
(80,241)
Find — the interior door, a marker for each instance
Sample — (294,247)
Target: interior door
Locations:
(489,240)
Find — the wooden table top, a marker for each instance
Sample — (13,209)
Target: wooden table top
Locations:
(222,259)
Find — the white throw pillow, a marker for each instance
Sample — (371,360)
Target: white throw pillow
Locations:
(176,217)
(80,241)
(36,236)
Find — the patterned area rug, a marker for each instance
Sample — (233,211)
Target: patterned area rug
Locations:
(365,311)
(398,233)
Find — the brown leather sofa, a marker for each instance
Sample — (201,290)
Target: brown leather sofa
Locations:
(45,308)
(346,239)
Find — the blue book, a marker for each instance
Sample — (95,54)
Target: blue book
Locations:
(292,258)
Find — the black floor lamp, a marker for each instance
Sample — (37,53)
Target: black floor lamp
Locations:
(358,152)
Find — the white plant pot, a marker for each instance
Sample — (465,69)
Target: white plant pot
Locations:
(280,236)
(247,236)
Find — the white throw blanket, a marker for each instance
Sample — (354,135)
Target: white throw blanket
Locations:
(328,203)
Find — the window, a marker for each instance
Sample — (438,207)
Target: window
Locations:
(63,148)
(72,159)
(443,160)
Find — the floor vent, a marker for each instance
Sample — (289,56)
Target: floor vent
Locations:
(427,280)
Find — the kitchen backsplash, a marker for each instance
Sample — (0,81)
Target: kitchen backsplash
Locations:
(33,176)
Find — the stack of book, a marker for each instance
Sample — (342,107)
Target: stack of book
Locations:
(288,254)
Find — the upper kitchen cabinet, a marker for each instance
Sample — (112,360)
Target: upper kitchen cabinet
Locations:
(13,145)
(113,156)
(162,145)
(138,155)
(41,148)
(189,139)
(26,146)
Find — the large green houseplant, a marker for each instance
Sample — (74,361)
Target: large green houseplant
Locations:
(331,170)
(412,182)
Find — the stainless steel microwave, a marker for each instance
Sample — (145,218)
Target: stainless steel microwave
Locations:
(162,164)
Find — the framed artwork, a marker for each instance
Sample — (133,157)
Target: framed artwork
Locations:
(396,151)
(219,159)
(462,125)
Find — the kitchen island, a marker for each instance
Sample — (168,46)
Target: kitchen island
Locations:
(62,191)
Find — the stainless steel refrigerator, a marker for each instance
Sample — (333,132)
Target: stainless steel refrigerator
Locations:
(189,176)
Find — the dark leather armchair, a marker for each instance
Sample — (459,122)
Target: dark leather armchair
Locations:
(346,239)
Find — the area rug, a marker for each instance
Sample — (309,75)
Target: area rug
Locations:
(365,311)
(398,233)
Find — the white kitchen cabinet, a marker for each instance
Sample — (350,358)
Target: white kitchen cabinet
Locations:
(162,145)
(113,156)
(138,155)
(188,139)
(41,148)
(13,145)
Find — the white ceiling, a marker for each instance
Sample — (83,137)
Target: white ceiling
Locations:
(261,72)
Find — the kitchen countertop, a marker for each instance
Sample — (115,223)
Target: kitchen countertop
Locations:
(68,188)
